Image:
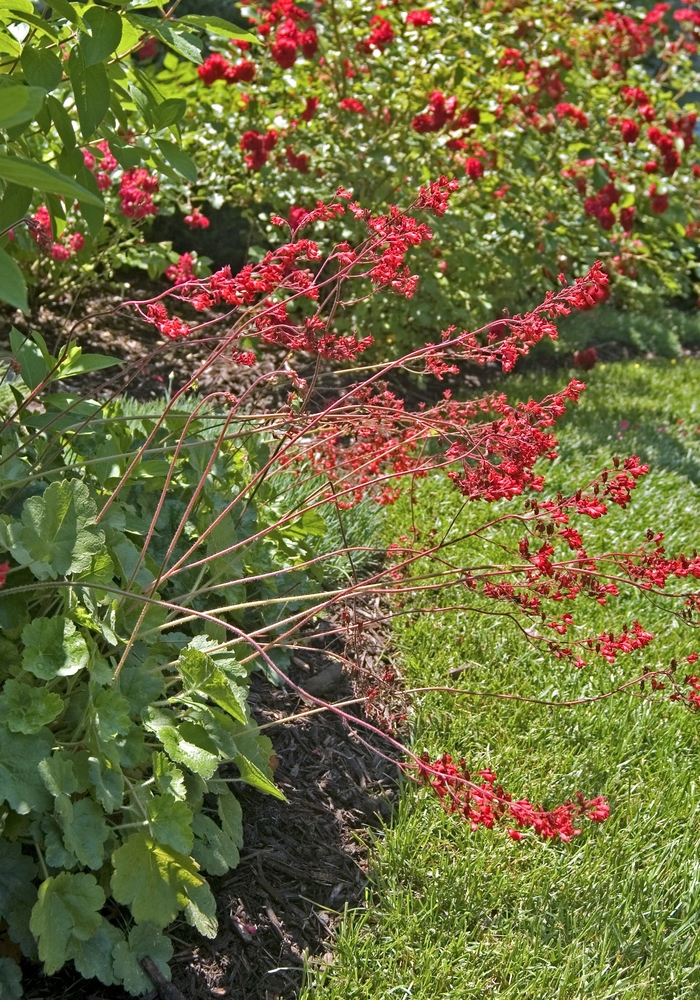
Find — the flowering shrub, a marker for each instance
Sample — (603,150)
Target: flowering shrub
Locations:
(162,554)
(562,128)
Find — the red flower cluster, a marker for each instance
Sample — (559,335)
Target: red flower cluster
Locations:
(569,111)
(600,207)
(181,272)
(41,232)
(196,220)
(257,148)
(421,18)
(352,104)
(483,802)
(442,110)
(629,130)
(586,359)
(297,161)
(284,18)
(136,190)
(381,35)
(658,202)
(107,164)
(609,646)
(217,67)
(310,109)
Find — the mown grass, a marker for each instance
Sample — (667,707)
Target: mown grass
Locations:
(616,913)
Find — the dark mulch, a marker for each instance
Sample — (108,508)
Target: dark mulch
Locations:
(302,863)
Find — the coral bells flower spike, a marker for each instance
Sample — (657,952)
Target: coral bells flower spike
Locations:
(310,109)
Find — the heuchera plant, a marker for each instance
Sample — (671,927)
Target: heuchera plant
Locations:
(135,600)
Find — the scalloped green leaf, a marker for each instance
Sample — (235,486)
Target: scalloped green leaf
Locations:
(170,822)
(67,908)
(144,940)
(53,647)
(153,879)
(20,781)
(29,708)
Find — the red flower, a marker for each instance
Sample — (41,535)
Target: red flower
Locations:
(308,41)
(59,252)
(243,72)
(586,359)
(627,218)
(380,37)
(629,130)
(606,218)
(296,161)
(352,104)
(148,49)
(421,18)
(77,242)
(297,214)
(658,202)
(474,168)
(196,220)
(284,52)
(258,147)
(213,68)
(310,109)
(135,190)
(469,117)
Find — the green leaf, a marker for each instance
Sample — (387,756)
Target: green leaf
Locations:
(68,907)
(170,822)
(200,912)
(78,364)
(154,880)
(20,781)
(13,207)
(20,104)
(66,10)
(59,774)
(253,761)
(13,288)
(41,67)
(231,816)
(53,648)
(62,121)
(200,673)
(93,958)
(140,687)
(57,537)
(93,215)
(31,359)
(214,850)
(91,92)
(170,111)
(144,940)
(187,743)
(183,42)
(10,980)
(168,778)
(178,159)
(85,832)
(17,894)
(109,713)
(108,782)
(29,708)
(105,34)
(30,173)
(219,26)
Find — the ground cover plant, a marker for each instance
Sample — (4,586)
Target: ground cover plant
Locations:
(138,598)
(615,913)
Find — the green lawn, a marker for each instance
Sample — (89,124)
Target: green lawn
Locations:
(615,913)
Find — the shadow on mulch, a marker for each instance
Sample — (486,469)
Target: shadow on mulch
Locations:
(303,861)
